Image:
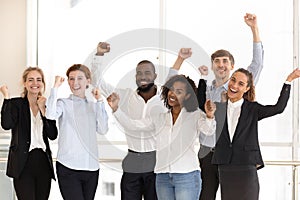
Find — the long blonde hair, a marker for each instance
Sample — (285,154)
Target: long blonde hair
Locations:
(25,75)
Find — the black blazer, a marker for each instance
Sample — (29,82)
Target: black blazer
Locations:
(244,148)
(201,93)
(15,115)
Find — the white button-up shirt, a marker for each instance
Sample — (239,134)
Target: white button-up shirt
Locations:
(79,120)
(133,105)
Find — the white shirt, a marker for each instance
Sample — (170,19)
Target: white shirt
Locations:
(79,120)
(134,106)
(36,137)
(175,143)
(233,115)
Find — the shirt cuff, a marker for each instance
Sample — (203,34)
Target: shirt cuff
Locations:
(288,82)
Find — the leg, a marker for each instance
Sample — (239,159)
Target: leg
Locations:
(210,178)
(69,183)
(239,182)
(90,184)
(187,185)
(164,187)
(35,180)
(131,186)
(149,183)
(42,174)
(24,186)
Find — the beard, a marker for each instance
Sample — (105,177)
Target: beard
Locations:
(146,88)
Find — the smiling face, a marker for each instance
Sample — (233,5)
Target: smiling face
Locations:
(78,83)
(177,94)
(221,67)
(34,83)
(145,76)
(237,86)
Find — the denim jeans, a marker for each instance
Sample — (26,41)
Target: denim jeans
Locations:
(179,186)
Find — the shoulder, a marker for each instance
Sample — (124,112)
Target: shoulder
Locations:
(17,100)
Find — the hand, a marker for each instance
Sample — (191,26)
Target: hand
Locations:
(58,81)
(113,101)
(96,93)
(203,70)
(4,91)
(102,48)
(295,74)
(210,108)
(41,102)
(250,20)
(224,96)
(185,53)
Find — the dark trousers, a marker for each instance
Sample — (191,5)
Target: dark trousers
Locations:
(239,182)
(76,184)
(210,178)
(134,186)
(35,180)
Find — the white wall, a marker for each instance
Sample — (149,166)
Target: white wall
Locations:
(13,43)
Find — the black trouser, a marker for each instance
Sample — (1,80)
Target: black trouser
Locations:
(135,186)
(76,184)
(238,182)
(34,182)
(210,178)
(138,178)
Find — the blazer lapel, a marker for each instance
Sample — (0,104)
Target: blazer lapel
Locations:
(27,118)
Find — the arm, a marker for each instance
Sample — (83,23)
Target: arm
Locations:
(101,115)
(49,128)
(126,122)
(258,53)
(183,54)
(270,110)
(201,93)
(207,123)
(97,69)
(102,118)
(9,113)
(54,109)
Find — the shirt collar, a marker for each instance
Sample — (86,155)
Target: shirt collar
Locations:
(225,85)
(76,98)
(236,104)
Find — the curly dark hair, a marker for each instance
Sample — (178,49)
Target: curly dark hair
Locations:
(191,104)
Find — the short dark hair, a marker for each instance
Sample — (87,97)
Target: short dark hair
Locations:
(191,104)
(147,62)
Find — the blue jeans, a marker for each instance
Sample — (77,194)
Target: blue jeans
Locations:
(179,186)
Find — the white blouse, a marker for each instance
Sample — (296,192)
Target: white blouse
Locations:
(175,142)
(36,137)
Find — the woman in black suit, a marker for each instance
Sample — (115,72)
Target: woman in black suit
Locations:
(29,160)
(237,152)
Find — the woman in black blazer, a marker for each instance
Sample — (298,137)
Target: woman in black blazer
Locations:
(29,160)
(237,152)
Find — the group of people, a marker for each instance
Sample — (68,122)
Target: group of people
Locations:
(161,126)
